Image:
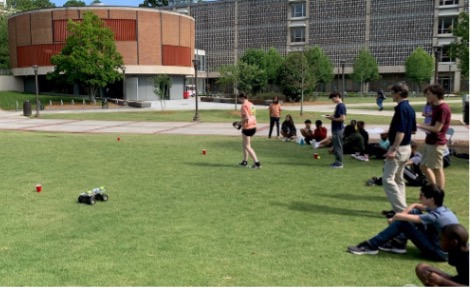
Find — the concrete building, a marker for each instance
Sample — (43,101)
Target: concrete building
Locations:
(390,29)
(151,42)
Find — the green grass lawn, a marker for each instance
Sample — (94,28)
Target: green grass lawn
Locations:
(176,217)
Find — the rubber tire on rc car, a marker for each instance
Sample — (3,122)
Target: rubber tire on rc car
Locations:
(91,200)
(98,197)
(104,197)
(80,199)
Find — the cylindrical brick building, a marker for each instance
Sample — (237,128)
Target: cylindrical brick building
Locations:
(151,42)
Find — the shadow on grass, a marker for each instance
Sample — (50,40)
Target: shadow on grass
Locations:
(322,209)
(356,197)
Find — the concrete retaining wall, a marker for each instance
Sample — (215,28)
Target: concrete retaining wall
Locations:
(10,83)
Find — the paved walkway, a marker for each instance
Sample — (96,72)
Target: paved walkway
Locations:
(15,121)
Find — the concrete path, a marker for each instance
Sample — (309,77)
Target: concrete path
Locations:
(15,121)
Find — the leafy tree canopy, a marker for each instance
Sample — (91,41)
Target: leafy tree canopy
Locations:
(254,57)
(419,66)
(23,5)
(459,48)
(365,67)
(321,64)
(273,63)
(89,56)
(251,79)
(154,3)
(74,3)
(4,49)
(295,75)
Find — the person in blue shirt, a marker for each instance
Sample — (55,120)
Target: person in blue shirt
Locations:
(420,222)
(402,126)
(337,129)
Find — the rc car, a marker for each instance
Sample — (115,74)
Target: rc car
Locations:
(91,196)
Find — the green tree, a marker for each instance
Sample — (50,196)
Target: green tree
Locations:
(161,87)
(154,3)
(4,48)
(89,56)
(296,77)
(459,48)
(320,64)
(95,2)
(254,57)
(251,78)
(74,3)
(228,79)
(419,66)
(365,68)
(273,63)
(23,5)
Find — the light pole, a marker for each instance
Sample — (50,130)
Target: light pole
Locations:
(35,68)
(437,54)
(196,64)
(124,94)
(342,71)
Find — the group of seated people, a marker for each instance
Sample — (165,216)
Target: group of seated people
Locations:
(289,131)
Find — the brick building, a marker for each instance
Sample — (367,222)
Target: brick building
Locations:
(151,42)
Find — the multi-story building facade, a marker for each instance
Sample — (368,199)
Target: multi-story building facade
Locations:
(390,29)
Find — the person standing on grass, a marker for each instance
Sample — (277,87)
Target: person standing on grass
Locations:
(403,124)
(248,122)
(454,240)
(337,129)
(274,116)
(420,222)
(435,142)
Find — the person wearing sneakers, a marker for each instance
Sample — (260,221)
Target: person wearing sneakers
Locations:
(422,229)
(436,142)
(454,239)
(402,126)
(248,121)
(337,128)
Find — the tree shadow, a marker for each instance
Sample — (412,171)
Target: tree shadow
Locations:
(349,197)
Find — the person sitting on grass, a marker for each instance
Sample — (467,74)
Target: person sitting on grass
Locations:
(307,131)
(352,141)
(318,134)
(288,130)
(379,149)
(454,240)
(421,228)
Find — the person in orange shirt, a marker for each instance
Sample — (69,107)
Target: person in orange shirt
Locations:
(274,115)
(248,122)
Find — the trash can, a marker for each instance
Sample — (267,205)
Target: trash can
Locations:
(465,108)
(26,108)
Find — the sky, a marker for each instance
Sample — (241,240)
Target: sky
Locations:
(132,3)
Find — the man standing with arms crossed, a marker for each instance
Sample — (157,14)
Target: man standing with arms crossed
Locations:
(337,128)
(403,124)
(436,141)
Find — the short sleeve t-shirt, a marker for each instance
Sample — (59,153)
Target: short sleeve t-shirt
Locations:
(248,110)
(440,113)
(339,110)
(435,219)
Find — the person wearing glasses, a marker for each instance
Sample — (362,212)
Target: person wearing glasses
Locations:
(402,126)
(420,222)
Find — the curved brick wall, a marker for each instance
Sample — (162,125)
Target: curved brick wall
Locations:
(148,39)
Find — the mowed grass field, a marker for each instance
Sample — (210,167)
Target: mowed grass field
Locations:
(176,217)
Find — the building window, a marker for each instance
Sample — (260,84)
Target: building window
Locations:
(297,34)
(446,24)
(445,56)
(299,10)
(448,2)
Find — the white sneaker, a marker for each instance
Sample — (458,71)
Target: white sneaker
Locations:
(314,144)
